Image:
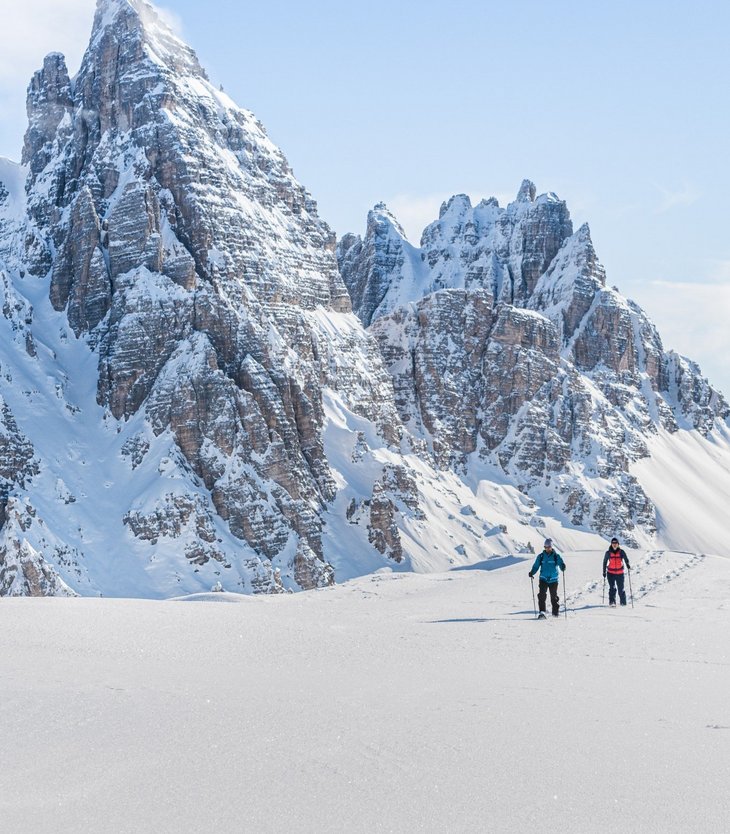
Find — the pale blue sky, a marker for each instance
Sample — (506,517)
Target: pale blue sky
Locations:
(619,107)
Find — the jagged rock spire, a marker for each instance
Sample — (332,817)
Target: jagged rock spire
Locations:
(49,102)
(527,192)
(502,250)
(380,213)
(509,345)
(382,251)
(457,205)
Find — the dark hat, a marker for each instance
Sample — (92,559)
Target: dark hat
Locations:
(548,543)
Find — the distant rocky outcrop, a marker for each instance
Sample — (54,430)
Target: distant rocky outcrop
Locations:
(504,343)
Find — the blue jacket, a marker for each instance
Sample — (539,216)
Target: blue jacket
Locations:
(548,564)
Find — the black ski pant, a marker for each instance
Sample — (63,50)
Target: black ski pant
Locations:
(554,598)
(616,580)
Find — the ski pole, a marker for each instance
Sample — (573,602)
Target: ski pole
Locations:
(603,595)
(631,589)
(565,598)
(534,607)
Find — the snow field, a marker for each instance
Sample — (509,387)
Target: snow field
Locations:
(393,703)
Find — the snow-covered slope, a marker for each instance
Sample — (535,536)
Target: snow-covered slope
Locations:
(507,349)
(687,478)
(395,703)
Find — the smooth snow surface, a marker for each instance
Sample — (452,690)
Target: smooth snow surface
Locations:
(393,703)
(12,176)
(687,477)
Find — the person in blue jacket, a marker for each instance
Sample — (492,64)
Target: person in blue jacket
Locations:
(548,562)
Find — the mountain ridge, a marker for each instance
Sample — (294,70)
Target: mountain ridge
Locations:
(188,399)
(565,402)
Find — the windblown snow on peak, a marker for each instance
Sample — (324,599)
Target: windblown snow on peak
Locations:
(151,24)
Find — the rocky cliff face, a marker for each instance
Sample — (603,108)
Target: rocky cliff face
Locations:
(193,268)
(506,346)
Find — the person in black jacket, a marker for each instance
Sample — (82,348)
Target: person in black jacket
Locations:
(613,565)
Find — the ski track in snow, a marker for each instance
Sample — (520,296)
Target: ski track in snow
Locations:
(649,573)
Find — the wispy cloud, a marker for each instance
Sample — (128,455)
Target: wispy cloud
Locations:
(32,29)
(684,195)
(693,320)
(171,18)
(35,27)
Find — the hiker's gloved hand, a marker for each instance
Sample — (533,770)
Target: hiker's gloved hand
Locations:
(531,574)
(604,574)
(562,567)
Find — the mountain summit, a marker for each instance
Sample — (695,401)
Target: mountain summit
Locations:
(149,27)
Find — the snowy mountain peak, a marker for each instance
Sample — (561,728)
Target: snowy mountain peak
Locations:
(488,202)
(125,21)
(584,233)
(381,214)
(527,192)
(108,10)
(171,296)
(455,206)
(54,58)
(138,14)
(502,250)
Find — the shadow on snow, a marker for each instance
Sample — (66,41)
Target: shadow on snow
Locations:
(493,564)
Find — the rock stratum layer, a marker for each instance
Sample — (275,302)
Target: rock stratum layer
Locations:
(188,400)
